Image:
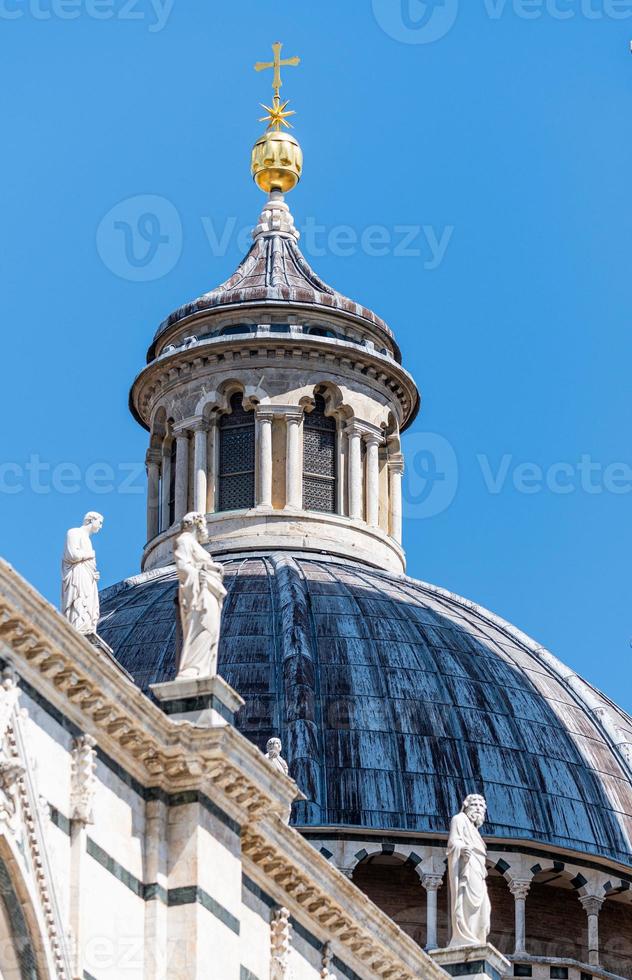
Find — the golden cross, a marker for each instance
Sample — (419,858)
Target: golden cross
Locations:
(277,64)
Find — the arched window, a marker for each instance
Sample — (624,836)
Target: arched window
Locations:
(237,457)
(17,954)
(172,482)
(319,459)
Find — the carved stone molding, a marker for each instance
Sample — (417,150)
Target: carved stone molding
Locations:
(83,779)
(280,944)
(377,371)
(326,907)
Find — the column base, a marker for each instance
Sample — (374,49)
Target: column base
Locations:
(208,702)
(469,962)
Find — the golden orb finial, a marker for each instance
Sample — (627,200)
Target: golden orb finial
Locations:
(277,159)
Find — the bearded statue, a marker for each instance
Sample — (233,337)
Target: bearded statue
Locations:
(467,874)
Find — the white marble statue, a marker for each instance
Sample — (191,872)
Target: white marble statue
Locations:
(201,596)
(467,874)
(79,590)
(273,755)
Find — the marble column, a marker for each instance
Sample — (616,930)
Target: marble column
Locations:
(432,884)
(182,474)
(200,466)
(372,479)
(152,461)
(355,471)
(293,461)
(592,907)
(520,889)
(264,441)
(212,447)
(165,487)
(395,473)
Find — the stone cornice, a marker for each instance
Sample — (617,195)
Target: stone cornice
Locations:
(289,868)
(193,363)
(91,691)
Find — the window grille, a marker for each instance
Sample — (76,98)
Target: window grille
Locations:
(237,457)
(172,482)
(319,459)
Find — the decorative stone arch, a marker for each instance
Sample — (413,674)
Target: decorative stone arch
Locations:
(158,427)
(335,405)
(389,877)
(218,401)
(556,922)
(502,879)
(615,927)
(25,949)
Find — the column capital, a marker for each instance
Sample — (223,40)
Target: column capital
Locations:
(293,414)
(199,425)
(396,463)
(181,431)
(591,904)
(519,888)
(368,431)
(431,882)
(153,455)
(264,413)
(373,438)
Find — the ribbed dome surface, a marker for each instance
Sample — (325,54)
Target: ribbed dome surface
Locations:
(394,699)
(273,271)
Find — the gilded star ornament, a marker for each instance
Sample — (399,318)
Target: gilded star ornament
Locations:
(277,115)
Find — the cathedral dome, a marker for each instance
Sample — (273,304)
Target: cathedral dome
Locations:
(395,698)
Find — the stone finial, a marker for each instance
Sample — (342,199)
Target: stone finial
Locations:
(9,694)
(79,590)
(328,958)
(83,779)
(276,219)
(280,938)
(467,872)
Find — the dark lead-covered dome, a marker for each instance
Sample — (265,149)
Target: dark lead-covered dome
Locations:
(394,699)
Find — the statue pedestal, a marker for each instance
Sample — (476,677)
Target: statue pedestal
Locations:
(208,702)
(469,962)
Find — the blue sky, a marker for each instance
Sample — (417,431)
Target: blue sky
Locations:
(490,145)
